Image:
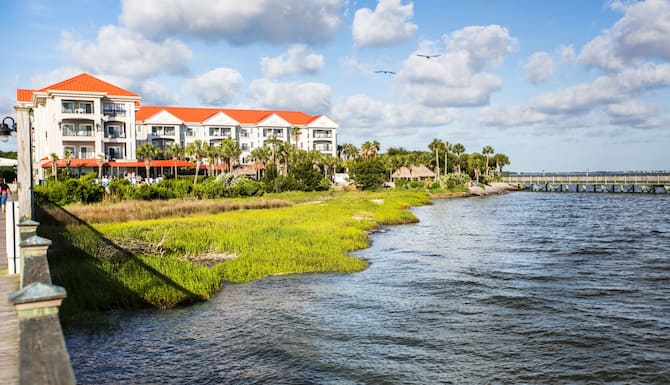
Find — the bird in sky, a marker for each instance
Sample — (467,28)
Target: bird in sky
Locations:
(385,72)
(427,56)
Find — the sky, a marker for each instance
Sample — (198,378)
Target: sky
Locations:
(556,85)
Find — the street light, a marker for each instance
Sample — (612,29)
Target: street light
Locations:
(6,130)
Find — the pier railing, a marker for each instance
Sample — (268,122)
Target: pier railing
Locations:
(649,179)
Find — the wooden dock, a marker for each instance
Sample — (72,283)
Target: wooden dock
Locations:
(619,183)
(9,321)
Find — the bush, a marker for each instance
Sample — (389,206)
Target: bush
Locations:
(451,181)
(369,174)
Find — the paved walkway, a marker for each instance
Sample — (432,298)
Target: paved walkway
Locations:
(9,322)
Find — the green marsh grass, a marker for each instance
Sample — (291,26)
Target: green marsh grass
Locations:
(315,234)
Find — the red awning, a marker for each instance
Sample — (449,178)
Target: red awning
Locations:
(154,163)
(74,163)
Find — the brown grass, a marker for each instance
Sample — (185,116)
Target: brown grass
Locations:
(141,210)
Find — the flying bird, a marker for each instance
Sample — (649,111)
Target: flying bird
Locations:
(427,56)
(385,72)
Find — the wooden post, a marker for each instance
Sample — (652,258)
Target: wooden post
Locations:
(24,171)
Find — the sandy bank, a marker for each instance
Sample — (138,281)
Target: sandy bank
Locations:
(493,189)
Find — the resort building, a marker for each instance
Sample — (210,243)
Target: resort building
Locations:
(90,123)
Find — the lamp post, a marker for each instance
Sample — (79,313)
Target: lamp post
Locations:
(6,129)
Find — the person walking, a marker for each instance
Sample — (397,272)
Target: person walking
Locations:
(5,191)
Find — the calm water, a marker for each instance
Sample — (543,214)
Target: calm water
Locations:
(520,288)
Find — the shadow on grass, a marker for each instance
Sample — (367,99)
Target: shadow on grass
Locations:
(91,288)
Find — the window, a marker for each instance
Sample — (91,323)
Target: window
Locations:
(322,146)
(72,150)
(190,131)
(85,152)
(244,146)
(85,130)
(244,133)
(115,131)
(162,130)
(69,129)
(114,109)
(85,108)
(68,106)
(114,152)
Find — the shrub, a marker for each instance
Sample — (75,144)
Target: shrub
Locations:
(369,174)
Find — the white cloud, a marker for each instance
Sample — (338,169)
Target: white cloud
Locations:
(539,67)
(635,114)
(606,89)
(312,98)
(486,46)
(239,22)
(366,115)
(352,65)
(510,116)
(297,60)
(216,87)
(457,77)
(567,53)
(642,33)
(125,56)
(387,24)
(154,93)
(6,105)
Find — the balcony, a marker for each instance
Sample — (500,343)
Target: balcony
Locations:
(322,134)
(78,132)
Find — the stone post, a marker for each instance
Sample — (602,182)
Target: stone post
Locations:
(43,356)
(34,264)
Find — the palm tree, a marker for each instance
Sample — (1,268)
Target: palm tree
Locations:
(500,160)
(198,150)
(212,153)
(369,149)
(260,156)
(68,160)
(174,151)
(100,159)
(447,148)
(475,163)
(436,145)
(147,151)
(230,150)
(458,149)
(487,150)
(295,134)
(273,142)
(283,152)
(54,165)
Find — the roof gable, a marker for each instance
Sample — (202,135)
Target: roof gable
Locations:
(220,119)
(87,83)
(163,117)
(24,95)
(323,121)
(274,120)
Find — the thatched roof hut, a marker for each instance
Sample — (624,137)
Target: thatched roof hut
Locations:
(413,173)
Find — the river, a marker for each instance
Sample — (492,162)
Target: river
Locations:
(517,288)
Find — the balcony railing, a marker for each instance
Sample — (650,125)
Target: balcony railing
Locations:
(115,135)
(322,135)
(78,132)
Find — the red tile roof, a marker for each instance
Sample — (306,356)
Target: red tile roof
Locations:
(188,114)
(87,83)
(24,95)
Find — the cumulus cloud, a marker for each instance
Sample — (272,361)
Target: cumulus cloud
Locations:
(457,77)
(125,56)
(634,114)
(238,22)
(312,98)
(216,87)
(642,33)
(352,65)
(364,114)
(299,59)
(154,93)
(510,116)
(539,67)
(567,53)
(387,24)
(606,89)
(486,46)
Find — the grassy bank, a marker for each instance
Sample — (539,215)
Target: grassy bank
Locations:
(149,262)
